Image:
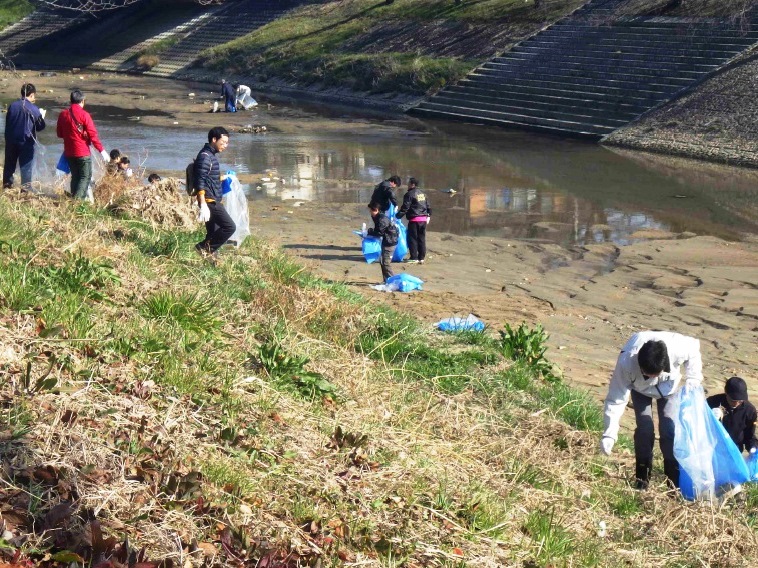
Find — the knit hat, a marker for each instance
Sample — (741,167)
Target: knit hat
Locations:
(736,389)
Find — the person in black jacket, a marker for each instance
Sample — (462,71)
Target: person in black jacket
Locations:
(207,181)
(385,229)
(230,97)
(736,413)
(22,122)
(416,207)
(383,194)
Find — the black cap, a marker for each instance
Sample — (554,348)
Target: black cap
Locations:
(736,389)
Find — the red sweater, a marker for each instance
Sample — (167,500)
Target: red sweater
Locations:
(78,132)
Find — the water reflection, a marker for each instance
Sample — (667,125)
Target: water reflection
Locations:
(481,181)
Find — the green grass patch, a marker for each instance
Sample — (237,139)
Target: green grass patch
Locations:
(11,11)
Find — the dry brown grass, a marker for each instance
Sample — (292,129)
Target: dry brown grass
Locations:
(440,476)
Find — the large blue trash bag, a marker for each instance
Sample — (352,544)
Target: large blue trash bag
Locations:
(372,249)
(709,460)
(62,165)
(752,466)
(401,249)
(457,323)
(405,282)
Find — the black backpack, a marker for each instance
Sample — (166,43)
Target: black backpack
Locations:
(189,179)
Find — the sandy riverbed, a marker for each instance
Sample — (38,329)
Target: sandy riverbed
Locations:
(589,298)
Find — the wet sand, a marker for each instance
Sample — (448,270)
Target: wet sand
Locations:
(589,298)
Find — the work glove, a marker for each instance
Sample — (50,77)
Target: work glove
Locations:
(205,213)
(428,220)
(43,112)
(606,445)
(752,450)
(106,156)
(718,413)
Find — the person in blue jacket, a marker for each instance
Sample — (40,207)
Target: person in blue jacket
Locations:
(230,97)
(23,121)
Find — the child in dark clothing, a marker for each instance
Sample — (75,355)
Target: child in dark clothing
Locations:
(386,230)
(416,207)
(736,413)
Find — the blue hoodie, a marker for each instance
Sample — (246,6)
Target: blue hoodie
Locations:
(22,122)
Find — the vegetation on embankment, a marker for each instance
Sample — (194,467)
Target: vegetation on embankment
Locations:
(249,413)
(410,46)
(12,11)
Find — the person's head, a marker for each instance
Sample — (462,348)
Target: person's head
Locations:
(412,182)
(115,155)
(153,178)
(29,91)
(235,86)
(223,81)
(374,208)
(395,181)
(736,391)
(218,138)
(123,162)
(653,359)
(77,97)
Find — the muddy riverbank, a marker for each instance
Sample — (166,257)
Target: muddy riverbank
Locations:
(592,244)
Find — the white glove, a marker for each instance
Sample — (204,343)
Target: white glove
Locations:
(606,445)
(43,112)
(752,450)
(428,220)
(205,213)
(718,413)
(106,156)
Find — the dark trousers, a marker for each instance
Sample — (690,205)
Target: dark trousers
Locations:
(24,155)
(81,175)
(386,262)
(417,240)
(218,229)
(644,436)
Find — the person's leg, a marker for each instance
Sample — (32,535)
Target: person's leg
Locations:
(9,168)
(413,240)
(644,438)
(75,166)
(421,241)
(26,161)
(386,262)
(225,226)
(666,414)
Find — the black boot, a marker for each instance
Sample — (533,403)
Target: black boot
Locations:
(671,469)
(642,475)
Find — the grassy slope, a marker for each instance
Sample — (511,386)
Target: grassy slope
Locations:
(307,45)
(13,10)
(128,406)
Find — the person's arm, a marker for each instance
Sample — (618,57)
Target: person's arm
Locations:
(39,120)
(405,206)
(391,194)
(617,398)
(380,227)
(89,127)
(693,362)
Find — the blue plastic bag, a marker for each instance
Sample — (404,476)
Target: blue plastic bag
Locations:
(62,165)
(401,249)
(709,460)
(226,185)
(457,323)
(372,249)
(752,466)
(404,282)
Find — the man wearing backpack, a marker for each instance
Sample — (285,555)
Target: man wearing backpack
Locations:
(206,184)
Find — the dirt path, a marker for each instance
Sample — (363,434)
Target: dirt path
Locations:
(589,298)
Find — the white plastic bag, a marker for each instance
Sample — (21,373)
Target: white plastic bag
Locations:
(235,202)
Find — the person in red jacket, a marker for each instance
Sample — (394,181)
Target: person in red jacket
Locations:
(78,131)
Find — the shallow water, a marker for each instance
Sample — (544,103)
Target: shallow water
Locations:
(506,183)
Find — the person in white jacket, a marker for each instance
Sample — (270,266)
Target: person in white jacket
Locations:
(244,97)
(648,368)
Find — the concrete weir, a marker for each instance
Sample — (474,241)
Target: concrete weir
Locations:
(591,73)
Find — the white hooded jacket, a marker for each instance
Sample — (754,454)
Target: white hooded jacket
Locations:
(627,376)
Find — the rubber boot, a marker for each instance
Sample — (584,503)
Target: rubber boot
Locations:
(671,469)
(642,475)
